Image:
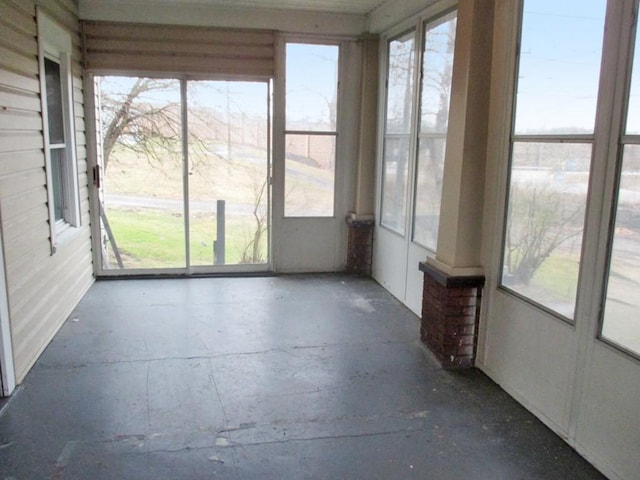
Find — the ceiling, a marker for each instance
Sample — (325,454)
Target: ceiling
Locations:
(331,17)
(357,7)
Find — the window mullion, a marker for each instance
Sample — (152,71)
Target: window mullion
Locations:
(554,138)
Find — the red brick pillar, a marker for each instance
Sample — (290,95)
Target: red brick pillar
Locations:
(360,245)
(450,316)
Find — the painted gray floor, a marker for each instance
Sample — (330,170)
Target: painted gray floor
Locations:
(301,377)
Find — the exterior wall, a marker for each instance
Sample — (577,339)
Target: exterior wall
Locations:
(42,288)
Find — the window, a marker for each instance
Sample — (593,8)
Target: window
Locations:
(310,132)
(57,107)
(437,66)
(397,131)
(621,323)
(551,148)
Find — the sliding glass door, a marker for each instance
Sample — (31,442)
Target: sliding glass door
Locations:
(183,169)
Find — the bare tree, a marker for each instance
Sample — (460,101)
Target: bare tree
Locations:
(133,122)
(252,252)
(540,221)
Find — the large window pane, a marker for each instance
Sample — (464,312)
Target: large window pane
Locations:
(228,170)
(543,234)
(400,90)
(437,65)
(559,66)
(621,315)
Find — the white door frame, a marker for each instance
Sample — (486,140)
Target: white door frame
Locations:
(95,165)
(7,370)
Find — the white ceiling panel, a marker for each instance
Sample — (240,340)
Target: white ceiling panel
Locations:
(338,17)
(358,7)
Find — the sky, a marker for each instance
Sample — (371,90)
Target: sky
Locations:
(311,79)
(561,52)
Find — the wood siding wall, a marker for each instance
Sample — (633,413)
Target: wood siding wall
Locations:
(42,288)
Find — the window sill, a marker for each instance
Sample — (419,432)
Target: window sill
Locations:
(64,234)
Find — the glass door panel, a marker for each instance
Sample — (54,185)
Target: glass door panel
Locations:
(437,68)
(141,190)
(397,135)
(228,172)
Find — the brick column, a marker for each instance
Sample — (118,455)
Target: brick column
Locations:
(450,316)
(360,245)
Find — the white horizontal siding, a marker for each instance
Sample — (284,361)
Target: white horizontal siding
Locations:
(19,81)
(42,288)
(19,161)
(11,98)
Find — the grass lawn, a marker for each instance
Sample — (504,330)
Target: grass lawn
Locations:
(155,239)
(558,278)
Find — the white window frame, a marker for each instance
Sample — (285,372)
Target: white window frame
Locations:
(426,26)
(317,133)
(621,76)
(54,43)
(414,31)
(550,138)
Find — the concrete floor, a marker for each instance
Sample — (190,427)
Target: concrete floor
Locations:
(301,377)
